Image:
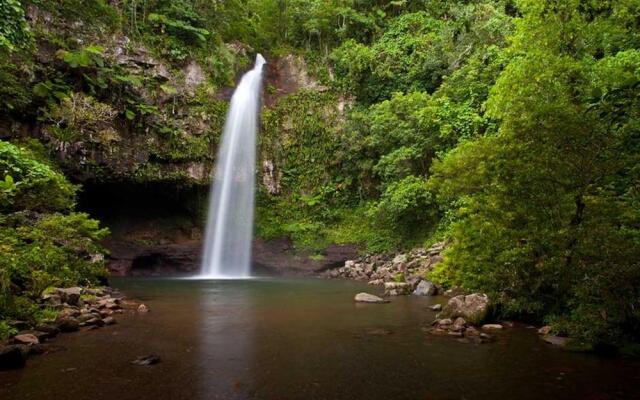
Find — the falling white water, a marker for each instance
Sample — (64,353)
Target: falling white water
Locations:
(227,245)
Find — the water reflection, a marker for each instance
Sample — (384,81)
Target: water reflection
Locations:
(305,339)
(226,338)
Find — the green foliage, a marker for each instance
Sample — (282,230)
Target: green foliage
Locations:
(90,56)
(93,17)
(6,330)
(353,63)
(30,185)
(543,216)
(14,31)
(39,245)
(406,206)
(523,153)
(15,94)
(53,250)
(418,50)
(312,172)
(179,28)
(80,117)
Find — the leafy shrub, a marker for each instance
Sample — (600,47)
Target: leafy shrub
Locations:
(39,245)
(14,31)
(544,212)
(406,207)
(79,117)
(31,185)
(6,330)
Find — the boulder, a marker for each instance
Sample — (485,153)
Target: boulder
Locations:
(52,299)
(109,321)
(12,357)
(473,308)
(436,307)
(85,317)
(555,340)
(26,338)
(95,322)
(106,313)
(458,325)
(40,335)
(492,327)
(425,288)
(437,331)
(96,291)
(471,331)
(70,295)
(50,330)
(396,288)
(545,330)
(400,259)
(69,324)
(369,298)
(19,325)
(143,308)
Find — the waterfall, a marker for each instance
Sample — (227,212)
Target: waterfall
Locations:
(227,245)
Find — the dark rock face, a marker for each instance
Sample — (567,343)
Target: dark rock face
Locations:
(270,257)
(277,257)
(128,258)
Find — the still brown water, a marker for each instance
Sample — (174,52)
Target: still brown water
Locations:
(303,339)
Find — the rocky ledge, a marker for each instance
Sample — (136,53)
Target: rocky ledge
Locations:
(77,309)
(401,273)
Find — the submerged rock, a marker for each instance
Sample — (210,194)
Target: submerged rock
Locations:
(146,360)
(143,308)
(425,288)
(369,298)
(379,332)
(436,307)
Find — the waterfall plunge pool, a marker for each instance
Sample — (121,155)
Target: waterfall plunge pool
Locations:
(302,339)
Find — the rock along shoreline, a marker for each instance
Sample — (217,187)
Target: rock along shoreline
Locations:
(78,309)
(464,316)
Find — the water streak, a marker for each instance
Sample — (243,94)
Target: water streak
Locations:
(227,245)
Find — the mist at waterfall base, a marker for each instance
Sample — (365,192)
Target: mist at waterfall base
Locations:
(229,231)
